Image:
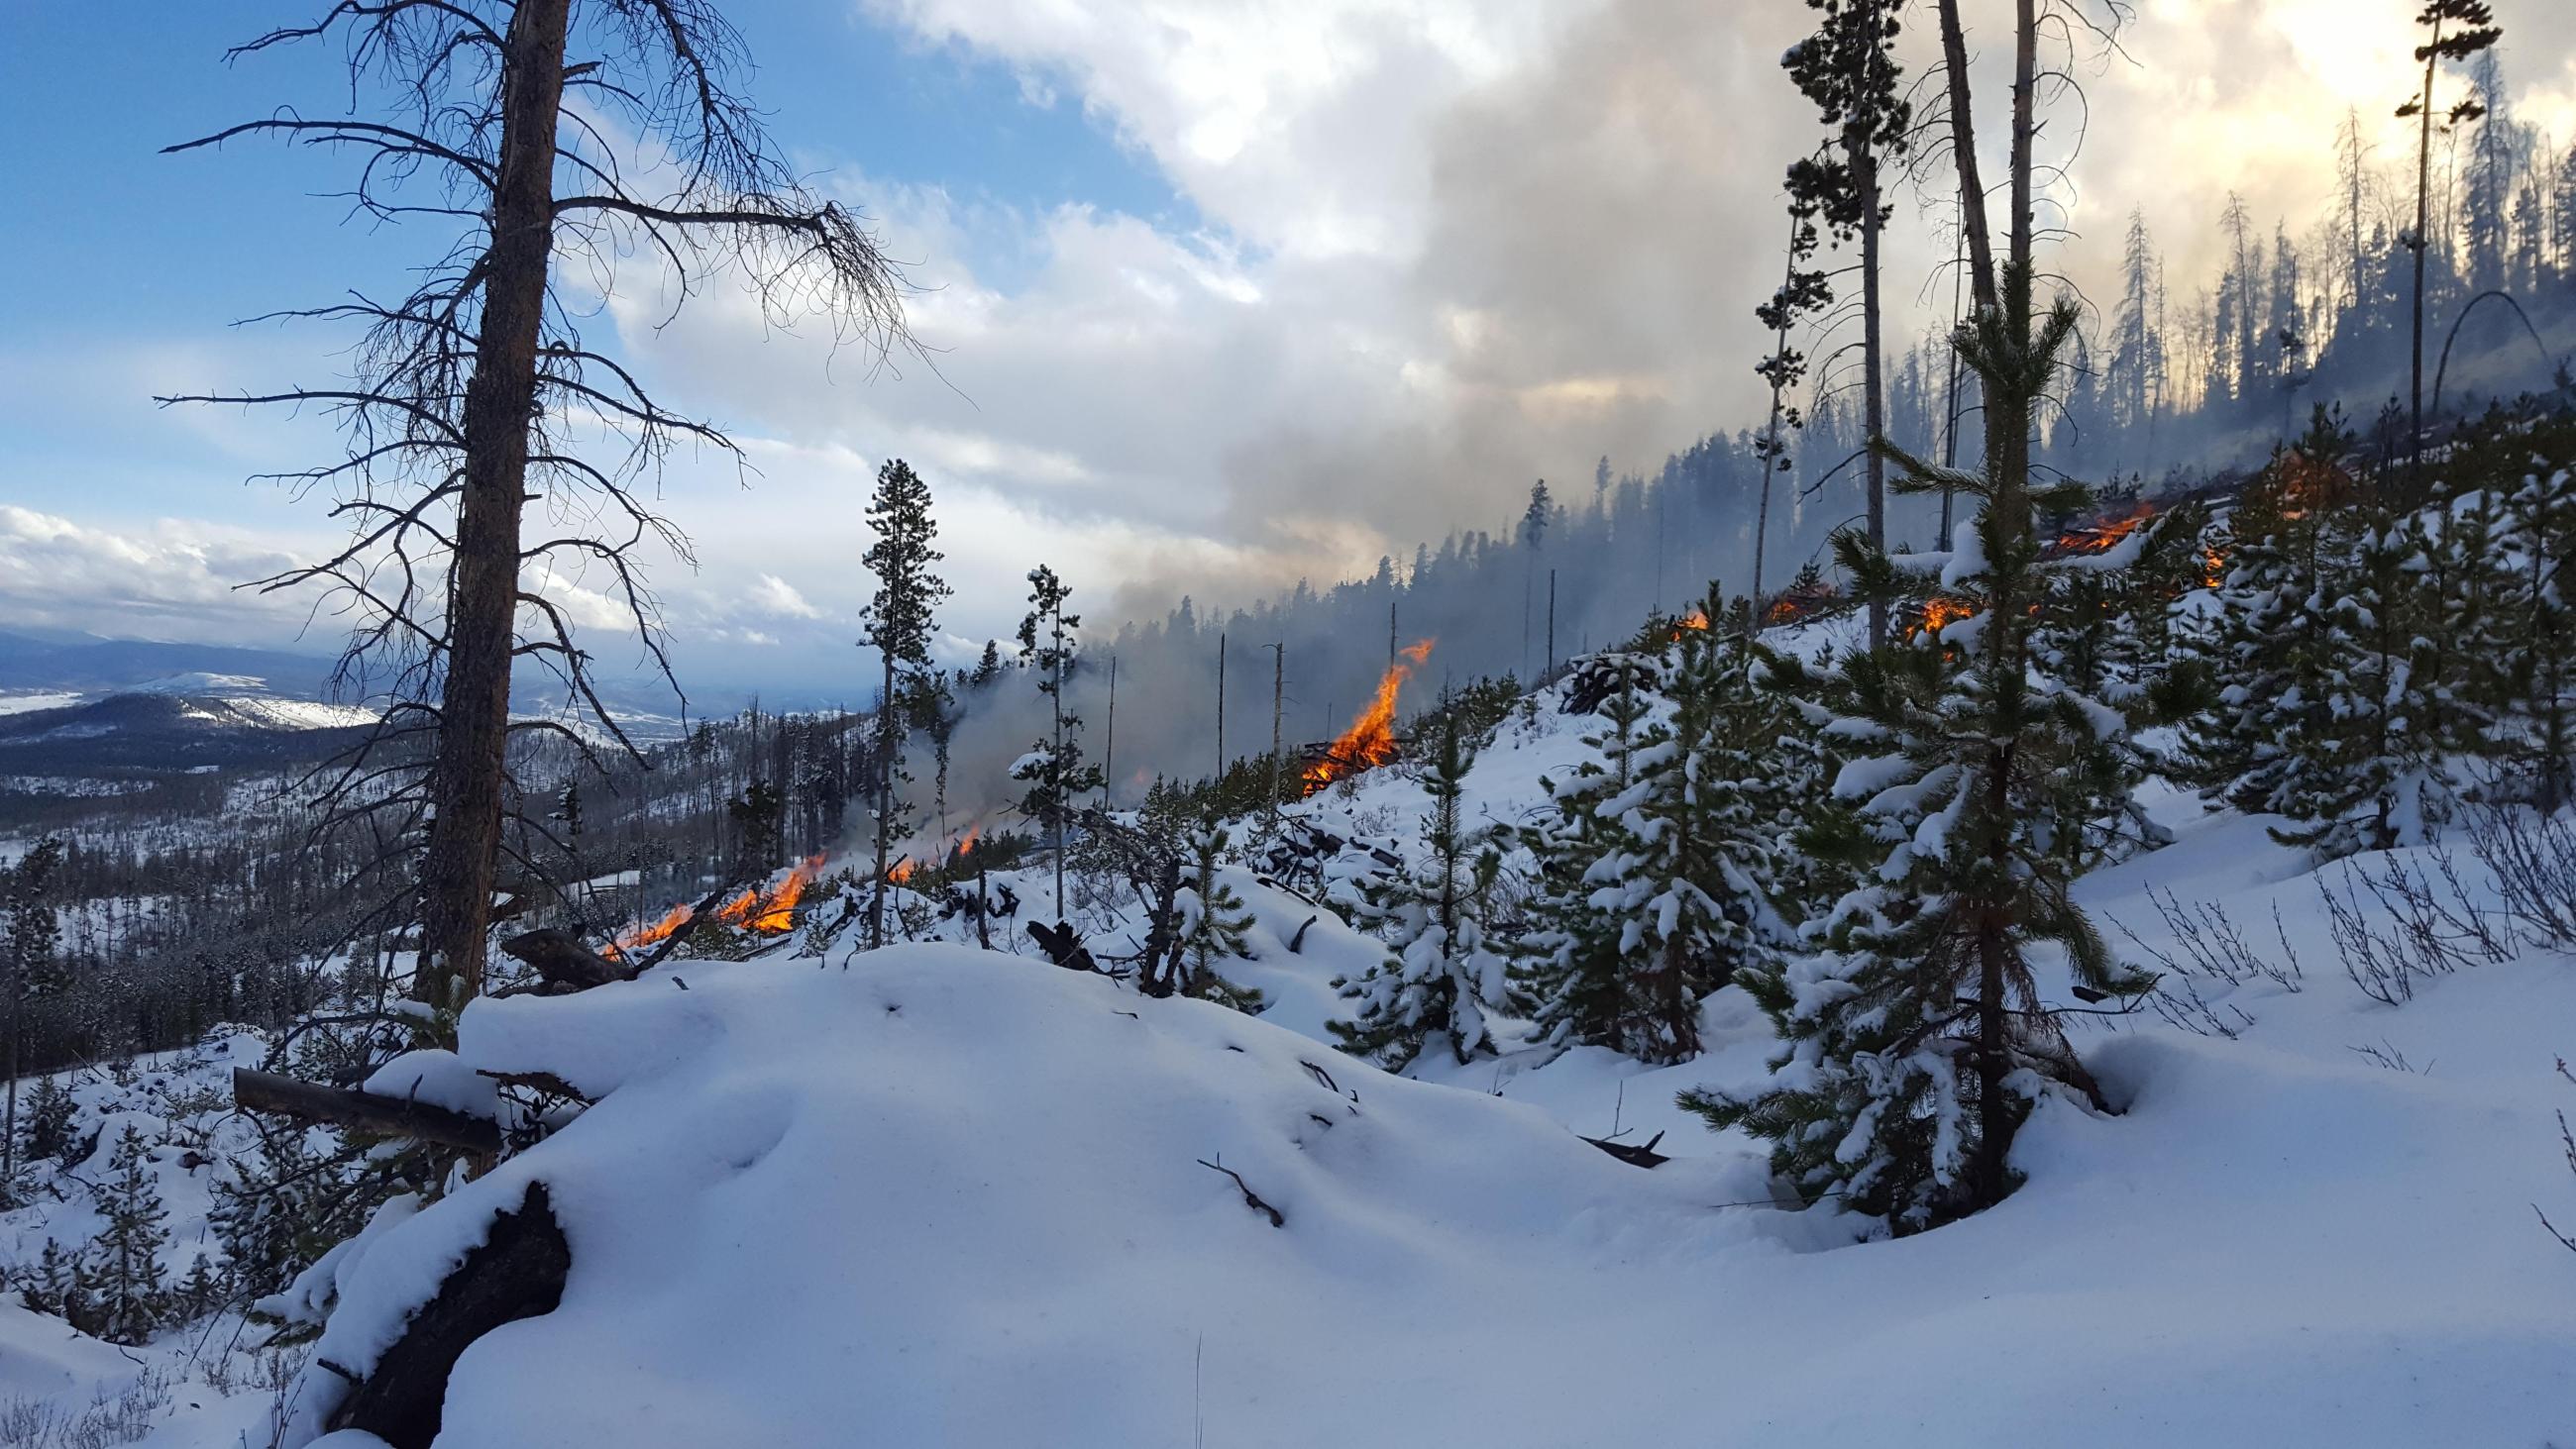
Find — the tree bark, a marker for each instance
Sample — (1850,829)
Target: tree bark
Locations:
(366,1111)
(2423,242)
(518,1272)
(888,740)
(1873,376)
(468,775)
(1963,150)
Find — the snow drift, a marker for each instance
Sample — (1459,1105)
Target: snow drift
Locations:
(946,1197)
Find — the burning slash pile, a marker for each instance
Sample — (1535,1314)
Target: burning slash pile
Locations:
(765,910)
(2098,537)
(1370,741)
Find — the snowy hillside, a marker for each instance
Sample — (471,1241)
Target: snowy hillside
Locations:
(831,1206)
(942,1196)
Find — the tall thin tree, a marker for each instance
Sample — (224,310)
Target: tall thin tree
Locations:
(1848,69)
(900,618)
(2454,30)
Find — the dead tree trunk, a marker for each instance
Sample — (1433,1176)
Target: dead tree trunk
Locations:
(518,1272)
(467,781)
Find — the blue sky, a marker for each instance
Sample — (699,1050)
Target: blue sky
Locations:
(1221,293)
(148,246)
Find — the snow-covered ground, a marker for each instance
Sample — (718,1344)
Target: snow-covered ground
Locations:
(937,1196)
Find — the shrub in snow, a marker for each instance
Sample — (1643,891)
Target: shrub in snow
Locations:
(1439,973)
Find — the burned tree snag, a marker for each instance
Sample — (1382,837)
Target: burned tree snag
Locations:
(519,1272)
(474,395)
(500,397)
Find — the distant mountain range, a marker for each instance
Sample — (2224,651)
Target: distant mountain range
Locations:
(163,732)
(84,666)
(72,705)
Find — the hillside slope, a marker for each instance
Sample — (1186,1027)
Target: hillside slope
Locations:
(948,1197)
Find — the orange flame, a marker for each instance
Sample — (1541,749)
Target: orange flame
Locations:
(1940,611)
(771,911)
(2103,537)
(1696,621)
(1798,603)
(900,873)
(1370,741)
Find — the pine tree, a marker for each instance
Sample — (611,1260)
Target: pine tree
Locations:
(54,1286)
(1439,973)
(1692,871)
(1214,925)
(1848,68)
(2456,31)
(2537,735)
(30,970)
(1917,1040)
(51,1118)
(2371,772)
(1570,980)
(759,818)
(2256,741)
(1053,769)
(2562,219)
(122,1272)
(900,619)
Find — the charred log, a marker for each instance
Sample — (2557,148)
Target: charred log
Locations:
(1634,1154)
(562,963)
(519,1272)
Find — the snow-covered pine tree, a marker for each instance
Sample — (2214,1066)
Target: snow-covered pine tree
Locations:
(2536,736)
(2374,774)
(122,1270)
(51,1116)
(1439,973)
(1918,1040)
(1214,925)
(52,1285)
(2267,663)
(1691,872)
(1570,980)
(2470,616)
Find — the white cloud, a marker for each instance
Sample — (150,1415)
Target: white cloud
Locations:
(775,595)
(166,578)
(1444,246)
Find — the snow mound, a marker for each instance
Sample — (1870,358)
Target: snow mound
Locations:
(842,1206)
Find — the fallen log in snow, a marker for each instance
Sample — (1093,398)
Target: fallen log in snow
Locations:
(517,1273)
(365,1111)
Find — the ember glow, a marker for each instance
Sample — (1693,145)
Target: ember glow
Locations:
(1370,741)
(2102,537)
(1941,611)
(770,910)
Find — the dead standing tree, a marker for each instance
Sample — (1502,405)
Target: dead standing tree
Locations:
(592,134)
